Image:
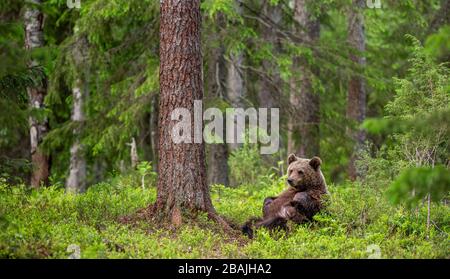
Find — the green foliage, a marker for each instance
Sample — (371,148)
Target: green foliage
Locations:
(144,168)
(44,223)
(120,74)
(418,122)
(422,181)
(51,220)
(146,172)
(246,165)
(10,166)
(438,45)
(228,7)
(122,71)
(426,88)
(244,201)
(424,123)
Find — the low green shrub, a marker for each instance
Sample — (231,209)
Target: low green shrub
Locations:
(358,222)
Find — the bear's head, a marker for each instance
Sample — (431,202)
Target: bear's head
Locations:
(305,174)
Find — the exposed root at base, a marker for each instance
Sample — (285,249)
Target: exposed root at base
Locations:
(150,215)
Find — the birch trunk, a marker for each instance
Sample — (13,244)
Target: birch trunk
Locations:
(133,154)
(76,182)
(39,127)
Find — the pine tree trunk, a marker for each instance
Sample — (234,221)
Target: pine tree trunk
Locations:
(218,152)
(39,127)
(182,187)
(356,99)
(304,137)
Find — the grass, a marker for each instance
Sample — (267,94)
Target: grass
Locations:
(44,223)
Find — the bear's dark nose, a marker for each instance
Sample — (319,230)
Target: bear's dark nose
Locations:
(290,181)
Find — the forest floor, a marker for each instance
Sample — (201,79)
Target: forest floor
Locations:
(358,222)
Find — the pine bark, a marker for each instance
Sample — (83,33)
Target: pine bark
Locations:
(356,99)
(304,131)
(182,187)
(39,126)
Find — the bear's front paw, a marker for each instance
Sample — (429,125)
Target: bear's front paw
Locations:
(287,212)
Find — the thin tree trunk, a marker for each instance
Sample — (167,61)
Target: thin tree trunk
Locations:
(269,93)
(76,181)
(144,139)
(440,18)
(356,99)
(218,152)
(218,165)
(271,85)
(304,137)
(154,131)
(182,187)
(98,170)
(39,127)
(133,153)
(235,81)
(235,85)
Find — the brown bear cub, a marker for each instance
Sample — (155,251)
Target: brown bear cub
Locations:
(299,203)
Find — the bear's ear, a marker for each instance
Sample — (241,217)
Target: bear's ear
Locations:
(315,162)
(292,158)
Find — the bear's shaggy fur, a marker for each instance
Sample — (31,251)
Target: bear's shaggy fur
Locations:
(299,203)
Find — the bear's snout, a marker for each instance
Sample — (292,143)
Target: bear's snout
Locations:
(290,181)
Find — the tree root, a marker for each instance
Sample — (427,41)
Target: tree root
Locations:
(150,214)
(226,226)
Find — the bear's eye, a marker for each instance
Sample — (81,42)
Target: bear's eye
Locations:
(300,172)
(290,171)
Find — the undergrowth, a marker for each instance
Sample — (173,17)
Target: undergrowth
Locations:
(45,223)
